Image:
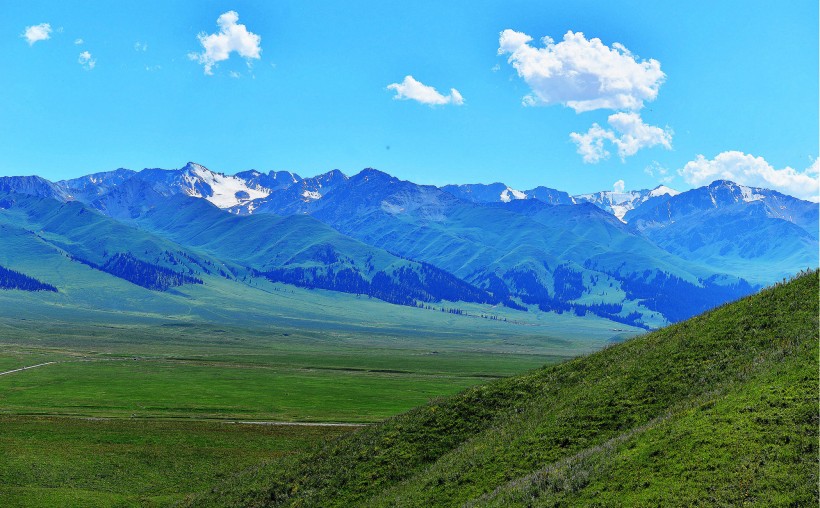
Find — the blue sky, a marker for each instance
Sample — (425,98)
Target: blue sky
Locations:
(737,93)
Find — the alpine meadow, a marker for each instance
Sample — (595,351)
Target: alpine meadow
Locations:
(532,254)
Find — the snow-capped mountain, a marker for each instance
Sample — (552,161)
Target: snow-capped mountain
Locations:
(550,196)
(274,180)
(485,193)
(198,181)
(501,193)
(734,227)
(723,194)
(293,198)
(89,187)
(619,203)
(539,247)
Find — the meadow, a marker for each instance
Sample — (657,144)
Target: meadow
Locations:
(141,404)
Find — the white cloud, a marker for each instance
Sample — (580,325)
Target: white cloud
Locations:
(618,187)
(34,33)
(581,74)
(234,74)
(86,60)
(232,37)
(656,170)
(140,46)
(78,42)
(754,171)
(814,169)
(629,134)
(591,144)
(586,75)
(415,90)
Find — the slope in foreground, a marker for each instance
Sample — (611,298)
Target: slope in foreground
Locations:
(717,410)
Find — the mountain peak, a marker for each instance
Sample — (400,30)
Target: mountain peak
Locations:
(663,190)
(195,167)
(722,183)
(509,194)
(335,173)
(373,174)
(33,186)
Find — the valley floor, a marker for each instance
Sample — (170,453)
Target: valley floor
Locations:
(142,411)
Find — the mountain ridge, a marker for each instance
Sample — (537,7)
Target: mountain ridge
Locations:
(539,249)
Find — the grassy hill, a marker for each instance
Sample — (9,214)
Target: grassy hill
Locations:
(717,410)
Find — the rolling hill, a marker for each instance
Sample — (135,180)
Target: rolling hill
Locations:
(595,266)
(302,251)
(179,239)
(661,257)
(720,409)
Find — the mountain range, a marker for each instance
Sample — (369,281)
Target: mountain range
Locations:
(643,258)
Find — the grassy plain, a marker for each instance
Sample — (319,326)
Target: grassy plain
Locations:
(128,462)
(136,409)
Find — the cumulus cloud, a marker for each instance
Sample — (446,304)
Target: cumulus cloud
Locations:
(35,33)
(754,171)
(232,37)
(581,74)
(587,75)
(618,187)
(591,144)
(411,89)
(86,60)
(656,170)
(629,134)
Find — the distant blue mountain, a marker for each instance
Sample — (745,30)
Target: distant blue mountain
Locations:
(620,203)
(295,198)
(274,180)
(89,187)
(759,233)
(639,257)
(531,257)
(33,186)
(720,194)
(501,193)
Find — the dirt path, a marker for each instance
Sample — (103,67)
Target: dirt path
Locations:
(25,368)
(301,424)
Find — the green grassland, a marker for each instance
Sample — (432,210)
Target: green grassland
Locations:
(719,410)
(77,462)
(185,389)
(135,410)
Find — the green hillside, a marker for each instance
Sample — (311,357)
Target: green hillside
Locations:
(717,410)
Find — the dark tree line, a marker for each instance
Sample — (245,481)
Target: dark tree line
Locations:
(11,279)
(404,286)
(141,273)
(568,285)
(678,299)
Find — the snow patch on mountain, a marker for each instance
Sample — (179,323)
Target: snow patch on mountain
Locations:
(619,203)
(749,194)
(225,190)
(509,194)
(663,190)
